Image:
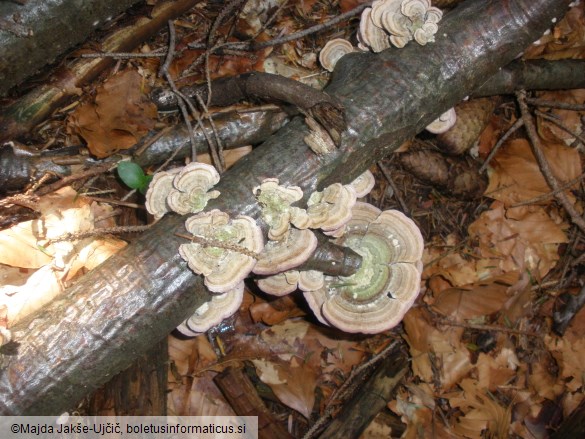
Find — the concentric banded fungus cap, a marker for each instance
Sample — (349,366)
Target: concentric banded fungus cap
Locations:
(211,313)
(371,36)
(276,203)
(383,289)
(363,184)
(279,284)
(229,250)
(333,51)
(286,254)
(443,123)
(158,190)
(191,186)
(405,20)
(331,209)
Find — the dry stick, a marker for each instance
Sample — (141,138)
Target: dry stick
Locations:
(500,142)
(216,153)
(559,105)
(488,328)
(546,196)
(164,71)
(212,242)
(560,196)
(558,123)
(99,232)
(126,55)
(340,393)
(252,46)
(386,173)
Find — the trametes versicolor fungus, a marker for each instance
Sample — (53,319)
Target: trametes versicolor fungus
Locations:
(211,313)
(443,123)
(277,211)
(330,209)
(378,295)
(333,51)
(363,184)
(398,22)
(224,251)
(182,190)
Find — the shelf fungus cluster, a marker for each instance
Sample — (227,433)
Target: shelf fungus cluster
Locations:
(388,281)
(181,190)
(386,284)
(397,22)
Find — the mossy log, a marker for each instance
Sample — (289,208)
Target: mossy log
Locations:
(120,309)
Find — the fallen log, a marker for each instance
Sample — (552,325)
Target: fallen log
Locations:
(135,298)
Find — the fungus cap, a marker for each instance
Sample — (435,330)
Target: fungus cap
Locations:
(229,254)
(378,295)
(331,209)
(275,201)
(279,284)
(213,312)
(159,188)
(443,123)
(191,186)
(371,36)
(333,51)
(363,184)
(286,254)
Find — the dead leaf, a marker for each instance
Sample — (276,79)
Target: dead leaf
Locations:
(119,117)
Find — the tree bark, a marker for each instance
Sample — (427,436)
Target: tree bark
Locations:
(120,309)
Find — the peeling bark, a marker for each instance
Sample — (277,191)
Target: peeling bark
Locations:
(135,298)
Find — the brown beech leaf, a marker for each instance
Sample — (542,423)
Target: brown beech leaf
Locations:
(515,175)
(119,117)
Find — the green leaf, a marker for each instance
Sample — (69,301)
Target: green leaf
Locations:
(147,181)
(132,175)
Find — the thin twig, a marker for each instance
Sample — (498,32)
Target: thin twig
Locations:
(500,142)
(125,55)
(551,180)
(558,123)
(488,328)
(546,196)
(164,71)
(388,176)
(253,46)
(211,242)
(99,232)
(559,105)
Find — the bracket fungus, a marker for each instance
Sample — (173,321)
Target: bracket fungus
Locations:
(286,254)
(182,190)
(191,186)
(443,123)
(400,21)
(224,251)
(333,51)
(378,295)
(363,184)
(213,312)
(330,209)
(277,211)
(285,283)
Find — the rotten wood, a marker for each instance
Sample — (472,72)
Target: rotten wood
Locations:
(18,119)
(243,398)
(118,310)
